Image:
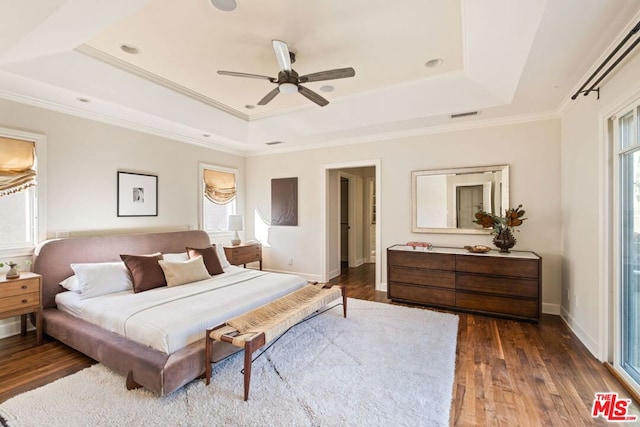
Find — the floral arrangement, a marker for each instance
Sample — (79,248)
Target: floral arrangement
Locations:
(11,264)
(513,218)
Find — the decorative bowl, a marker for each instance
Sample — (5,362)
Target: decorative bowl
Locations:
(478,249)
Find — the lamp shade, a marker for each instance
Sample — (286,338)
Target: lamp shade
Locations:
(235,222)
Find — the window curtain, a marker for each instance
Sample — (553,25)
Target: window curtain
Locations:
(17,165)
(219,187)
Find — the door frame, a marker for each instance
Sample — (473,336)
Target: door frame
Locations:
(324,206)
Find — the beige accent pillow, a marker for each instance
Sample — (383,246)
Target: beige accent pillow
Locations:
(180,273)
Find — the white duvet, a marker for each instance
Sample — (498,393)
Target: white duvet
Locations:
(169,319)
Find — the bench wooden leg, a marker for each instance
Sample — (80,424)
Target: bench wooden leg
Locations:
(249,347)
(207,356)
(344,300)
(208,352)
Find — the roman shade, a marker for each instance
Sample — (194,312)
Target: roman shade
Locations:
(219,187)
(17,165)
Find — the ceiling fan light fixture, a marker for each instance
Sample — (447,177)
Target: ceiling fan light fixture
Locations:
(288,88)
(225,5)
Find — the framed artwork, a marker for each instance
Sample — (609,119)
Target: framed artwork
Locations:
(137,194)
(284,201)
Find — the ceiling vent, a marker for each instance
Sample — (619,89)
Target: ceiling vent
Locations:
(467,114)
(274,142)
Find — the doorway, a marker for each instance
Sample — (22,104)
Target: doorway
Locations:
(344,221)
(351,223)
(468,202)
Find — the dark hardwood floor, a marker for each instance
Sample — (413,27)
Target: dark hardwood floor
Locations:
(507,372)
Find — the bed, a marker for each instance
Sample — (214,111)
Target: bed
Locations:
(171,352)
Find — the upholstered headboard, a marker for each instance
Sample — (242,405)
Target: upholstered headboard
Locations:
(52,258)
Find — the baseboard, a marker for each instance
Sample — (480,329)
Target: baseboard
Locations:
(382,287)
(11,327)
(590,343)
(551,308)
(334,273)
(359,262)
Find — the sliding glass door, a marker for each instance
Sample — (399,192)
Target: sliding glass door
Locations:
(626,131)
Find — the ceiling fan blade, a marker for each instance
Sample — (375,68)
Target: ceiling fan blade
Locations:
(282,55)
(252,76)
(268,97)
(338,73)
(312,96)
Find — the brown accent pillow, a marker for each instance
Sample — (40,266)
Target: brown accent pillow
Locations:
(210,257)
(145,271)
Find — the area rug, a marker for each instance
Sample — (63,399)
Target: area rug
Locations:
(383,365)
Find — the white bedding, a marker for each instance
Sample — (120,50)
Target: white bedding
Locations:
(169,319)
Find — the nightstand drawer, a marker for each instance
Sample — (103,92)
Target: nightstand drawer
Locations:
(20,287)
(16,302)
(244,253)
(20,297)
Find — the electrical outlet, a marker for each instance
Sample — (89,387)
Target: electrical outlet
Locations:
(290,261)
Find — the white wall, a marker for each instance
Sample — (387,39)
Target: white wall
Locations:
(83,157)
(532,150)
(586,203)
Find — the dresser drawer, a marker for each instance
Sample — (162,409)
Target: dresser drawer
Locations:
(16,302)
(416,276)
(422,260)
(496,304)
(422,294)
(526,288)
(513,267)
(19,287)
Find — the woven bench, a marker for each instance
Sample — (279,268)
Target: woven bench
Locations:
(259,327)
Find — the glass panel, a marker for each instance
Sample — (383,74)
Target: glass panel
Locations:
(626,124)
(16,220)
(630,260)
(216,217)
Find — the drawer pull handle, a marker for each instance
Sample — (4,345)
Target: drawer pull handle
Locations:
(24,301)
(24,286)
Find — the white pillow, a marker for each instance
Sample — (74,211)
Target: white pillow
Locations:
(102,278)
(177,257)
(71,284)
(224,262)
(179,273)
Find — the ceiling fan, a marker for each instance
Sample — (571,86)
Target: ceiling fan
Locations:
(289,81)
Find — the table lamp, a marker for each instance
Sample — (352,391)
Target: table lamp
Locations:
(235,225)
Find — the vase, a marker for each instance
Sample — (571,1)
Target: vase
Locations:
(13,273)
(504,240)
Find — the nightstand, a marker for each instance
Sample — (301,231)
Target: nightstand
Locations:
(21,296)
(244,253)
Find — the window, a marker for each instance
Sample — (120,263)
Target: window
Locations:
(218,197)
(21,191)
(627,213)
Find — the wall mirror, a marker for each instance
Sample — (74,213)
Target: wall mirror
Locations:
(446,200)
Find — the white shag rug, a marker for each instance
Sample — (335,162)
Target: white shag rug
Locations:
(383,365)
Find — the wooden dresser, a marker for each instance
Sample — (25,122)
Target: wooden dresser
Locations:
(21,296)
(244,253)
(508,285)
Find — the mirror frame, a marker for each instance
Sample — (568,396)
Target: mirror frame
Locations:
(414,215)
